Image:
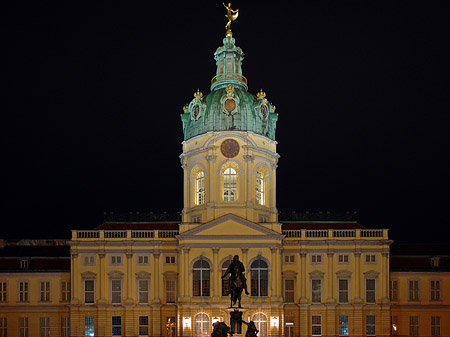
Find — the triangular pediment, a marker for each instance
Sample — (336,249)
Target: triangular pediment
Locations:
(231,226)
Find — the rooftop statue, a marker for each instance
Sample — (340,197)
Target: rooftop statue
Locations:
(231,16)
(237,281)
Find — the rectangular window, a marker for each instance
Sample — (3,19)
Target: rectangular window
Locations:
(435,326)
(289,291)
(44,287)
(435,290)
(171,290)
(371,258)
(45,326)
(143,325)
(170,259)
(414,325)
(117,325)
(65,291)
(370,325)
(116,259)
(89,329)
(393,290)
(142,259)
(143,290)
(289,258)
(23,291)
(289,326)
(316,325)
(343,290)
(413,290)
(3,292)
(370,290)
(316,258)
(89,291)
(116,291)
(343,325)
(23,326)
(263,218)
(394,325)
(3,327)
(24,264)
(316,287)
(343,258)
(89,260)
(65,326)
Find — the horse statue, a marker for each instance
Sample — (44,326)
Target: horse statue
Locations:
(237,281)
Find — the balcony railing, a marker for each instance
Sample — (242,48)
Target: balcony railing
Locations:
(229,76)
(336,233)
(123,234)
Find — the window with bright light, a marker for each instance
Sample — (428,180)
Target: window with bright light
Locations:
(343,290)
(89,329)
(394,325)
(370,325)
(343,325)
(316,325)
(259,188)
(260,321)
(44,293)
(201,278)
(229,184)
(201,325)
(200,188)
(259,273)
(116,325)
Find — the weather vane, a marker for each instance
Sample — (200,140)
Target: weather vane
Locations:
(231,16)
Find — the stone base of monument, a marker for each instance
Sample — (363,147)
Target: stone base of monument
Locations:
(233,317)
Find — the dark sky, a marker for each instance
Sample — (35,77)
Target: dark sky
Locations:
(93,93)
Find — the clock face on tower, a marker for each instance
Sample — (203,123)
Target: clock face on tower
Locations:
(229,148)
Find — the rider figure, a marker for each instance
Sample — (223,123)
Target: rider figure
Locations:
(236,269)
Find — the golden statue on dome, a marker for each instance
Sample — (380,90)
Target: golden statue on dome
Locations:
(231,16)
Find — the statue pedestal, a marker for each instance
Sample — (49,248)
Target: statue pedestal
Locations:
(232,318)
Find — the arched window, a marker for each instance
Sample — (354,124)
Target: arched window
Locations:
(259,188)
(201,325)
(225,283)
(259,272)
(229,184)
(201,278)
(200,188)
(261,323)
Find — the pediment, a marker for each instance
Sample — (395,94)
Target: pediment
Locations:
(231,226)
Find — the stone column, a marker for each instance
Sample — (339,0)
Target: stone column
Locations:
(358,295)
(74,278)
(186,273)
(298,280)
(102,277)
(273,276)
(303,276)
(385,276)
(129,256)
(330,277)
(216,274)
(156,277)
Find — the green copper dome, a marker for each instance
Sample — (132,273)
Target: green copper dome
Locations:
(229,106)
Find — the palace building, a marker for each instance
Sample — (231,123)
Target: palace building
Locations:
(145,274)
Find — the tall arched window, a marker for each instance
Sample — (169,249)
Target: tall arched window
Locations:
(259,188)
(259,272)
(225,283)
(201,325)
(261,323)
(229,184)
(200,188)
(201,278)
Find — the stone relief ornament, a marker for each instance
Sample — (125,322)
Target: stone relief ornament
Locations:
(196,106)
(230,105)
(264,109)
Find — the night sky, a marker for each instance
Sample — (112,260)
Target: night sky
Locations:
(93,93)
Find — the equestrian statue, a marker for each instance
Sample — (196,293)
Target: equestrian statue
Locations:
(237,281)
